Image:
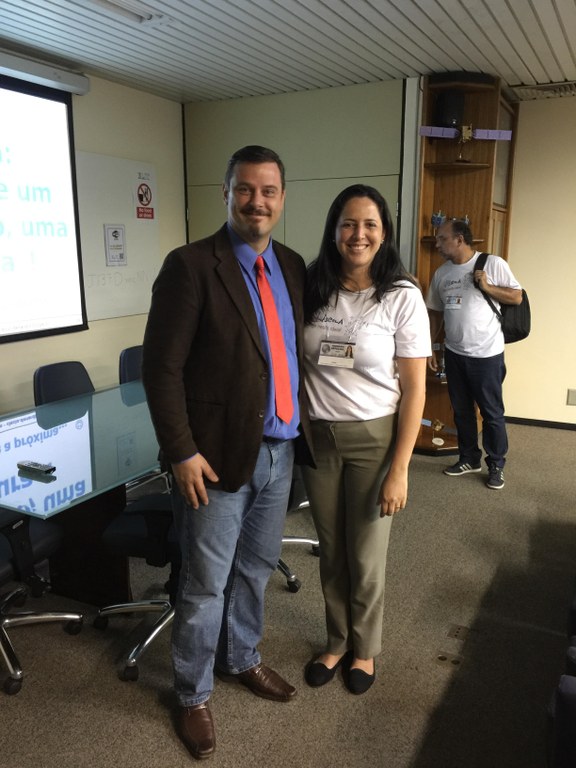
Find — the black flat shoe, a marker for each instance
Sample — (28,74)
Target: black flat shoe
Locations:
(317,674)
(358,681)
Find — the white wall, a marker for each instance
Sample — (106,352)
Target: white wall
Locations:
(542,255)
(125,123)
(327,140)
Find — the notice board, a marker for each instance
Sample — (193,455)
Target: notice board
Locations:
(118,208)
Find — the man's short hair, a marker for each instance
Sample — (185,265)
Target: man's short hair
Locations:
(461,227)
(253,153)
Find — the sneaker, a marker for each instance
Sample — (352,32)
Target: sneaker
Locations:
(461,468)
(495,477)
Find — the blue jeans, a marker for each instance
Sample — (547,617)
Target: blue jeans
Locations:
(478,380)
(229,550)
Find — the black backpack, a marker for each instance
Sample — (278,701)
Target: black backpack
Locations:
(514,318)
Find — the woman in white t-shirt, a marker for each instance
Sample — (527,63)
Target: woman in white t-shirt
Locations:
(366,342)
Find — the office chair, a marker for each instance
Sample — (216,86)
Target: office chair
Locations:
(130,364)
(296,503)
(130,369)
(24,543)
(145,529)
(57,381)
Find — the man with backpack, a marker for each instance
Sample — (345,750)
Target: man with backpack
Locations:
(474,346)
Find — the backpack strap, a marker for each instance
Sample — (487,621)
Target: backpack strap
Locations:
(480,264)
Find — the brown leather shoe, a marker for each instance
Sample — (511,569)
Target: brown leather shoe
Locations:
(264,682)
(196,729)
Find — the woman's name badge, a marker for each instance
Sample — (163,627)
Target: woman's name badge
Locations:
(338,354)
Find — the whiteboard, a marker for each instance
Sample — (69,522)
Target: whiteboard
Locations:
(122,194)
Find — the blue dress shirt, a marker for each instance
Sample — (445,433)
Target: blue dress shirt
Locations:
(246,255)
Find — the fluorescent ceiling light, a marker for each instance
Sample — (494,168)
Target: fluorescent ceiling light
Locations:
(133,11)
(43,74)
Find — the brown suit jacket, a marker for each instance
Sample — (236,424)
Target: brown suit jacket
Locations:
(203,367)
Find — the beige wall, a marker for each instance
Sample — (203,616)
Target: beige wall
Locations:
(542,255)
(333,137)
(327,140)
(125,123)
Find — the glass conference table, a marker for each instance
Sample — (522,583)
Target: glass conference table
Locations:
(98,443)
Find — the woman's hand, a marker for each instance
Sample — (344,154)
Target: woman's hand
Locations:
(393,493)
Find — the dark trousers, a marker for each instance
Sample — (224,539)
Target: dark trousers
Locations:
(478,380)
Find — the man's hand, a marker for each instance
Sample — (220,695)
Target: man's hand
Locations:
(481,280)
(433,362)
(436,320)
(190,476)
(502,295)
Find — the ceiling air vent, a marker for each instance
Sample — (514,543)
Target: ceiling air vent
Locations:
(544,90)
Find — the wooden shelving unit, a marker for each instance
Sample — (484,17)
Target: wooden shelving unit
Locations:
(477,186)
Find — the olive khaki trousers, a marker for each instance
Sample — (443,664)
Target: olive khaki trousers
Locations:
(351,461)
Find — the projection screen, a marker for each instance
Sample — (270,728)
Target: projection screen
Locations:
(41,286)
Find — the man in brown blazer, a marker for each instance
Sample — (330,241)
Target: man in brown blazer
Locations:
(214,390)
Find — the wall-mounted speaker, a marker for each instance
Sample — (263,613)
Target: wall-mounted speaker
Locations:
(449,109)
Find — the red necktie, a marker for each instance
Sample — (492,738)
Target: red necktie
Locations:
(283,393)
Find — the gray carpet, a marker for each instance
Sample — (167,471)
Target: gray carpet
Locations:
(479,585)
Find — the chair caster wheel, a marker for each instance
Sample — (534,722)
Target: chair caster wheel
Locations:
(100,622)
(129,674)
(12,686)
(293,586)
(316,550)
(73,627)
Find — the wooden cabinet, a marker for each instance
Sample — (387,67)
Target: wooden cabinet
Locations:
(460,179)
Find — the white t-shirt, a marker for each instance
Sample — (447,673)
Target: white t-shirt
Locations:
(378,332)
(472,328)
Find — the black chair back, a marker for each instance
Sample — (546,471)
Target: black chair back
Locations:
(130,366)
(57,381)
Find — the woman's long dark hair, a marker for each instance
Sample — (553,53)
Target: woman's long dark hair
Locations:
(324,275)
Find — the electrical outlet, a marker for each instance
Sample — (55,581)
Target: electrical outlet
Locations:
(571,399)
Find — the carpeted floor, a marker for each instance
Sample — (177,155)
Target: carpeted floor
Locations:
(479,585)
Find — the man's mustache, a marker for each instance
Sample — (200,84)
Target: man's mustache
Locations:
(254,211)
